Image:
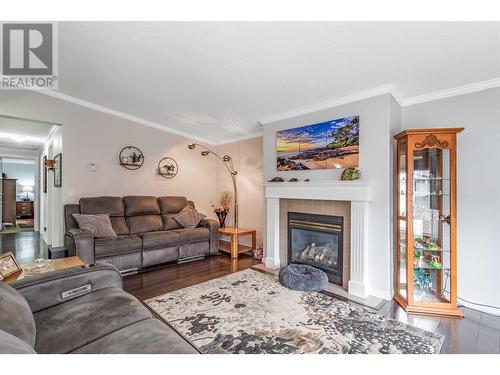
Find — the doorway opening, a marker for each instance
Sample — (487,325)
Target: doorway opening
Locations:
(29,201)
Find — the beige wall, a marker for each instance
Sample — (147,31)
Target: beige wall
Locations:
(247,156)
(89,136)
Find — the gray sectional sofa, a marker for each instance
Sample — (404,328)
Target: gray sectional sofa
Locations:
(147,234)
(38,315)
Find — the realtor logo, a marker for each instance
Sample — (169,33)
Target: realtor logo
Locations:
(29,55)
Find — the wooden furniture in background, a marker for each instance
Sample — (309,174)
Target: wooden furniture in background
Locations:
(426,210)
(59,264)
(233,246)
(24,209)
(9,200)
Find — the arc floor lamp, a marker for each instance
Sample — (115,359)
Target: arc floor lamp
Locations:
(228,162)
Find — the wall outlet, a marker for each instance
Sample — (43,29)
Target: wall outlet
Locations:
(92,167)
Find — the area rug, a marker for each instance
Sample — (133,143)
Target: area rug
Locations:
(250,312)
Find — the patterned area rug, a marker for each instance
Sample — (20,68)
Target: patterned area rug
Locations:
(250,312)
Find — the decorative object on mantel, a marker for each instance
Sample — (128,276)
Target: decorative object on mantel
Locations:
(350,174)
(276,179)
(58,170)
(228,163)
(167,167)
(426,245)
(293,180)
(222,209)
(131,157)
(306,180)
(327,145)
(225,315)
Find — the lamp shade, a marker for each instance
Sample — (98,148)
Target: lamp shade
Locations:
(27,188)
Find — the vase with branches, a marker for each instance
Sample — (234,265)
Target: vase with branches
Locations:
(223,207)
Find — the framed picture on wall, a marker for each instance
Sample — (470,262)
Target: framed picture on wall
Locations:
(331,144)
(44,173)
(58,170)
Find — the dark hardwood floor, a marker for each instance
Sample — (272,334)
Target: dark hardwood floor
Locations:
(26,246)
(477,332)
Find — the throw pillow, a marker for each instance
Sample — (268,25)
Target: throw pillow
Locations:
(99,224)
(188,217)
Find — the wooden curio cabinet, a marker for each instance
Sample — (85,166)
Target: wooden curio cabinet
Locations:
(426,246)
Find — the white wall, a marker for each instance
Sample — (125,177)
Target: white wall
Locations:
(478,186)
(23,172)
(375,161)
(89,136)
(27,154)
(247,158)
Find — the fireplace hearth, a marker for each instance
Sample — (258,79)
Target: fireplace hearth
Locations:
(317,240)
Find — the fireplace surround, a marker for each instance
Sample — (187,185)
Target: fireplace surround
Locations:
(317,240)
(357,193)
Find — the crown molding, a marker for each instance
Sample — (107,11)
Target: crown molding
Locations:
(241,138)
(123,115)
(448,93)
(365,94)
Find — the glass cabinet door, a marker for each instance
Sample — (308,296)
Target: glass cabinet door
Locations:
(431,225)
(402,247)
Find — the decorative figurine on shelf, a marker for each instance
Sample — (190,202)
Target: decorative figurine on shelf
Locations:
(425,243)
(222,209)
(422,279)
(293,179)
(436,262)
(350,174)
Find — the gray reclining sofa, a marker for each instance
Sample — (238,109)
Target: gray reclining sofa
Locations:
(147,235)
(80,310)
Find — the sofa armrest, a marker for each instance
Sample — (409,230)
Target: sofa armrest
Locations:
(80,242)
(213,227)
(47,290)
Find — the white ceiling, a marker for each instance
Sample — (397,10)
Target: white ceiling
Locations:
(23,134)
(215,81)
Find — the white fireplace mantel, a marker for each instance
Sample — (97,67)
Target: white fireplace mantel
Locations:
(359,193)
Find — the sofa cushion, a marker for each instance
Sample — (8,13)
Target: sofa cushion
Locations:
(169,222)
(109,246)
(144,223)
(15,315)
(113,206)
(145,337)
(155,240)
(189,217)
(119,225)
(192,234)
(13,345)
(172,205)
(76,323)
(141,205)
(98,224)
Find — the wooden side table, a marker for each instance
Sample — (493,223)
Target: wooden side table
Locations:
(233,246)
(59,264)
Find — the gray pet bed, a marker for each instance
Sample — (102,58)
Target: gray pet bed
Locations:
(303,277)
